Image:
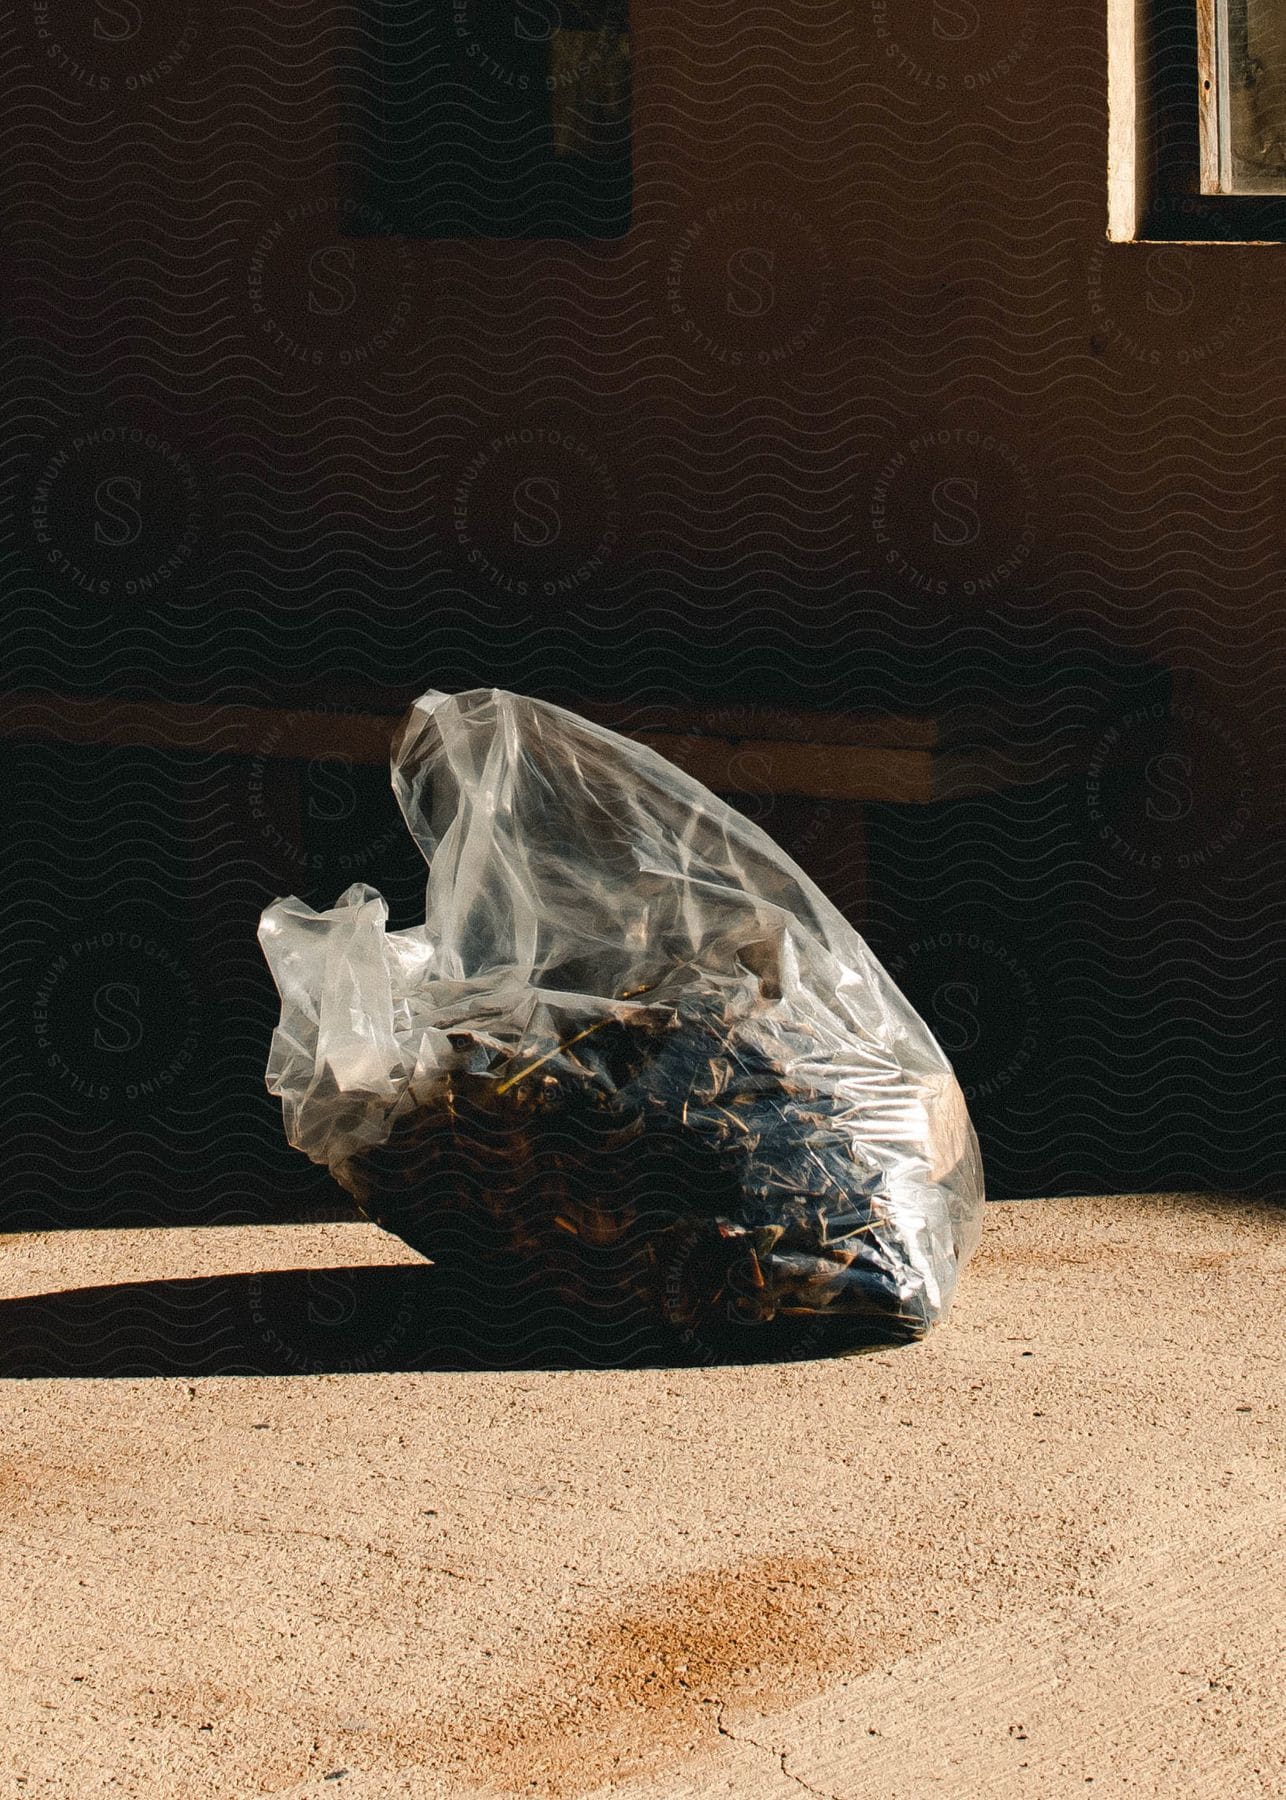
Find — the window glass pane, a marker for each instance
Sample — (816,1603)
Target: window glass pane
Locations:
(489,118)
(1253,88)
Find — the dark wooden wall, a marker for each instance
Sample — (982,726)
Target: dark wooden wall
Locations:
(863,410)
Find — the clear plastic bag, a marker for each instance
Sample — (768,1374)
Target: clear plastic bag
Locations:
(633,1052)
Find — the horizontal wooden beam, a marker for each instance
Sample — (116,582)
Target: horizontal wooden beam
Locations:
(816,771)
(903,731)
(215,730)
(838,769)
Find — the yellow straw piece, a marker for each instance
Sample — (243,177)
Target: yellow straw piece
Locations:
(508,1083)
(627,994)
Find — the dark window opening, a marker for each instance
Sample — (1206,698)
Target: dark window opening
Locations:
(488,118)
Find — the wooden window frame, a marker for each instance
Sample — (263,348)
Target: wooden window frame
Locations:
(1161,181)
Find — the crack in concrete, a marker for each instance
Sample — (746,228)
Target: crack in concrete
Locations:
(781,1755)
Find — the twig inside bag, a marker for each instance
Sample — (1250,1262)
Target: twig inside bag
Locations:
(627,994)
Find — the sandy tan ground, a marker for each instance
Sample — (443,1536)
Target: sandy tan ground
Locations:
(1039,1555)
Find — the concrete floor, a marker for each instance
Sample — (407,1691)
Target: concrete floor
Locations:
(1039,1555)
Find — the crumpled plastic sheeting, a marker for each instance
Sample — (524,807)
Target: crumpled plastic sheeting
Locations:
(605,941)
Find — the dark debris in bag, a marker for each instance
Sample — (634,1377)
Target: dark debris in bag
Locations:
(658,1161)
